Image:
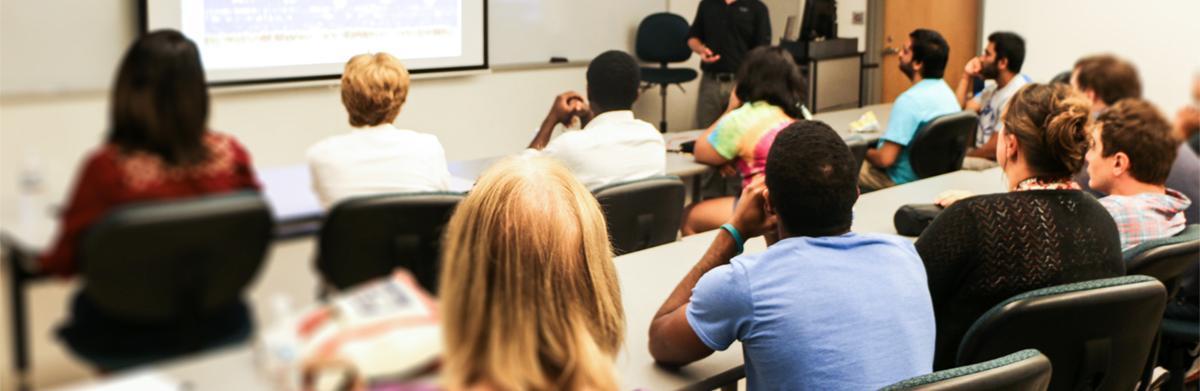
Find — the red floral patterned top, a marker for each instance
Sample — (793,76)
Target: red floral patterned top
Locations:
(112,177)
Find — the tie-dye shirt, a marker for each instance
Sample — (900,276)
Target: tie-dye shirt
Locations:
(746,134)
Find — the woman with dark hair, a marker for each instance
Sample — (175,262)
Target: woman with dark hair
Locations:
(768,97)
(1044,231)
(158,147)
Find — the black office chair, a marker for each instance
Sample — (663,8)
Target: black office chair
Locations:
(1026,370)
(940,146)
(1167,259)
(662,38)
(163,279)
(642,213)
(1098,334)
(858,149)
(368,237)
(1172,261)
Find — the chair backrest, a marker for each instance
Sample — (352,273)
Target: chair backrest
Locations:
(1171,260)
(1098,334)
(940,146)
(1026,370)
(858,149)
(367,237)
(662,38)
(172,260)
(642,213)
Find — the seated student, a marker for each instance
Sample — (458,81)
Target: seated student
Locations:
(923,60)
(1105,79)
(612,146)
(1129,159)
(529,296)
(1001,62)
(823,308)
(376,157)
(159,147)
(1187,119)
(767,98)
(1044,231)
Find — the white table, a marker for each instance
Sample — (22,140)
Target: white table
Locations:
(647,278)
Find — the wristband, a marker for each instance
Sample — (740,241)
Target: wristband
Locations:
(737,236)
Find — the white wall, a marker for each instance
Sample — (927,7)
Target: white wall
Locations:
(1161,37)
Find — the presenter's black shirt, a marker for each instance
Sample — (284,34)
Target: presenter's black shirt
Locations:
(731,30)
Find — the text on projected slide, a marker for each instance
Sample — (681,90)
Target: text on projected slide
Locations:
(263,33)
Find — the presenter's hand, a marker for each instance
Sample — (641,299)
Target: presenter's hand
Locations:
(973,68)
(751,217)
(567,105)
(707,56)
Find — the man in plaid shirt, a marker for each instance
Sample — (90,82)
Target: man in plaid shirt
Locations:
(1130,157)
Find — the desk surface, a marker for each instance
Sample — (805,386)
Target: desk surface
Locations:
(647,277)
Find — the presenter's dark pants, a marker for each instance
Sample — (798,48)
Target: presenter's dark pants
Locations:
(714,97)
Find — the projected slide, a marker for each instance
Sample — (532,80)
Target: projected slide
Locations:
(267,39)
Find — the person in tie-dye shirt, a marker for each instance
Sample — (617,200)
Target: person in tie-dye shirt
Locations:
(767,98)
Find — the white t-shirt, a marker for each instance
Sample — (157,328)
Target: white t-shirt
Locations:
(991,104)
(377,160)
(613,147)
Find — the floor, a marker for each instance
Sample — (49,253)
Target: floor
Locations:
(53,366)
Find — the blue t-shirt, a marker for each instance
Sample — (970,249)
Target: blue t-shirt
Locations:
(845,312)
(921,103)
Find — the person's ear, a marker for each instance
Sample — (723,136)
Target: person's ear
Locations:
(1120,164)
(916,66)
(1011,146)
(767,207)
(1002,64)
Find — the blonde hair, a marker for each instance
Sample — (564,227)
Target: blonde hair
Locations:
(529,295)
(374,86)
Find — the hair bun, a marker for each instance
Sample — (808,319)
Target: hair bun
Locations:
(1066,130)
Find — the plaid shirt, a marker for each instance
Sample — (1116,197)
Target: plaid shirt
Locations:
(1147,216)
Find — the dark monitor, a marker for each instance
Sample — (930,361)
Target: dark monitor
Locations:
(820,20)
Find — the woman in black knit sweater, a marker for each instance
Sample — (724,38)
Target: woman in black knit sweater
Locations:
(1043,232)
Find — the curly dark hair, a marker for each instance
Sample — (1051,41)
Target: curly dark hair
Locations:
(812,179)
(769,75)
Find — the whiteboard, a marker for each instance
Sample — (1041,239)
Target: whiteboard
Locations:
(532,31)
(57,46)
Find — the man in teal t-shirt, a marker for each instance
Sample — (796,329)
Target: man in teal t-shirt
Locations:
(923,60)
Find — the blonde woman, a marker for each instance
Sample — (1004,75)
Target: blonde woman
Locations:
(376,156)
(529,295)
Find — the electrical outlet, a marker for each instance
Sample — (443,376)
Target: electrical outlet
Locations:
(858,17)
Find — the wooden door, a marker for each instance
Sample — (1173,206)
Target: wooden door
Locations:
(956,20)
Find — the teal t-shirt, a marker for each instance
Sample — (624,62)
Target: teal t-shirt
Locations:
(921,103)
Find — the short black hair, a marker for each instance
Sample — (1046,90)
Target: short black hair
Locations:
(160,99)
(613,78)
(812,180)
(770,75)
(1009,46)
(931,50)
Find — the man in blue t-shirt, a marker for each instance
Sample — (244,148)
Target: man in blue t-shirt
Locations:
(923,60)
(823,307)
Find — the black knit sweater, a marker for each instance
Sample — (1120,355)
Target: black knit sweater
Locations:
(983,250)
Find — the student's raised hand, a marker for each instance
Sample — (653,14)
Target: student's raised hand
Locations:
(567,105)
(973,68)
(751,217)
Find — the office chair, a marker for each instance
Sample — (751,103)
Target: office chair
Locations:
(941,145)
(367,237)
(642,213)
(1026,370)
(1098,334)
(163,279)
(662,38)
(1173,261)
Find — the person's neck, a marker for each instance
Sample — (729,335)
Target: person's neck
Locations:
(1017,172)
(1130,186)
(916,78)
(1097,107)
(1003,78)
(784,234)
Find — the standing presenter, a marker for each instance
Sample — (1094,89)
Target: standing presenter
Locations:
(722,33)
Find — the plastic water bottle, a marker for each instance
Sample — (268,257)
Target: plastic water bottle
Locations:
(31,196)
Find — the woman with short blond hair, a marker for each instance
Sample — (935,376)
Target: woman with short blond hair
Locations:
(376,157)
(529,295)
